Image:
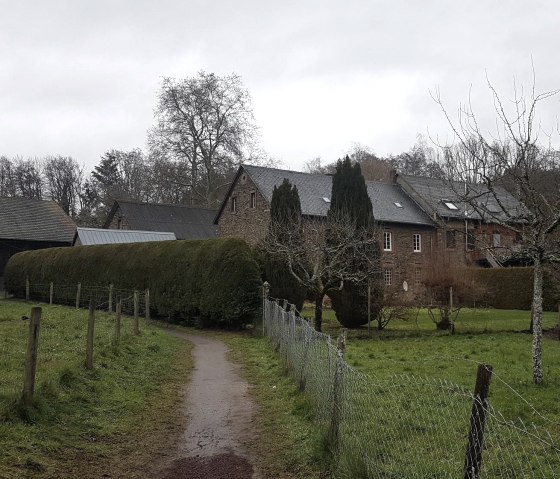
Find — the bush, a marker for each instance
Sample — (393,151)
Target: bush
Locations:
(214,281)
(512,288)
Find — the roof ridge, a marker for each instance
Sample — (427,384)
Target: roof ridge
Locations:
(191,207)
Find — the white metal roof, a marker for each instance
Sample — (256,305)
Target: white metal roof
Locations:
(91,236)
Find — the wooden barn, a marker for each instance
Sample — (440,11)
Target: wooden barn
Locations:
(31,224)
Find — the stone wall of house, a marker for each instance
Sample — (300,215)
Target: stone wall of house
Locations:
(119,222)
(405,264)
(246,222)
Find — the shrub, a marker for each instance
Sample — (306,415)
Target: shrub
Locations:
(215,281)
(512,288)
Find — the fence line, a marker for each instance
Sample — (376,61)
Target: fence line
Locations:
(404,426)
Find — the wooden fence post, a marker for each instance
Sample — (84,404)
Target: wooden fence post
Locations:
(110,298)
(136,307)
(78,292)
(27,287)
(118,322)
(51,293)
(452,322)
(90,330)
(334,433)
(147,303)
(31,358)
(473,457)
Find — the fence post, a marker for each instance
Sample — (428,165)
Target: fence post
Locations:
(27,288)
(337,391)
(110,298)
(147,303)
(51,293)
(265,291)
(452,325)
(118,322)
(90,330)
(31,358)
(78,292)
(473,458)
(136,307)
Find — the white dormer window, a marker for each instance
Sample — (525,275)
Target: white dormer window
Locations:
(326,200)
(450,205)
(398,205)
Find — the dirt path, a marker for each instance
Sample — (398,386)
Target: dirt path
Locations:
(220,413)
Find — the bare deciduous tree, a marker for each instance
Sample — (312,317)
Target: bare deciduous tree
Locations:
(63,181)
(513,158)
(205,122)
(321,255)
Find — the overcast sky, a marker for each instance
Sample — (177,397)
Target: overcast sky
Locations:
(80,77)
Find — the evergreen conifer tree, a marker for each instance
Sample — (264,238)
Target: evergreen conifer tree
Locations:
(285,215)
(350,201)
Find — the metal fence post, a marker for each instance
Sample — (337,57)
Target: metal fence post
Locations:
(31,358)
(147,303)
(265,291)
(27,288)
(473,457)
(336,418)
(51,293)
(110,298)
(118,322)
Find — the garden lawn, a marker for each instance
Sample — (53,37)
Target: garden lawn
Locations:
(114,419)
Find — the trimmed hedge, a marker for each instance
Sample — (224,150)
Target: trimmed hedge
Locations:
(512,288)
(215,282)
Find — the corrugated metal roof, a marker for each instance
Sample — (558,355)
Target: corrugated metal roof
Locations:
(185,221)
(34,220)
(313,188)
(91,236)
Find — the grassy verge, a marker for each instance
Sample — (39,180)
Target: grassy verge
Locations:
(288,443)
(112,420)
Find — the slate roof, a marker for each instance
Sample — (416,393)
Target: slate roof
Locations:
(34,220)
(185,221)
(312,188)
(433,193)
(92,236)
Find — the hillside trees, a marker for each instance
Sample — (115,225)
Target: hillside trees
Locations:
(512,157)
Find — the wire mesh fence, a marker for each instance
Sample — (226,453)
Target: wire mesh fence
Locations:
(404,426)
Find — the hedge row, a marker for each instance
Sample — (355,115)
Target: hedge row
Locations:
(214,281)
(512,288)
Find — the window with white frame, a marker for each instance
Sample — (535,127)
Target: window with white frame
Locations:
(234,204)
(496,239)
(417,243)
(387,241)
(388,276)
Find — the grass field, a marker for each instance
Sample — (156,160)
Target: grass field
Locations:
(412,406)
(112,420)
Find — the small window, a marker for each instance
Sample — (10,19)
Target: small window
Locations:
(234,204)
(398,205)
(450,239)
(326,200)
(471,241)
(496,239)
(253,200)
(387,242)
(450,205)
(417,243)
(388,276)
(418,276)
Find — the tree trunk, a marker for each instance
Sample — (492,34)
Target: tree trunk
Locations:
(537,321)
(319,312)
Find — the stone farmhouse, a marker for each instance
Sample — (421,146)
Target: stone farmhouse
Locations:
(185,222)
(420,220)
